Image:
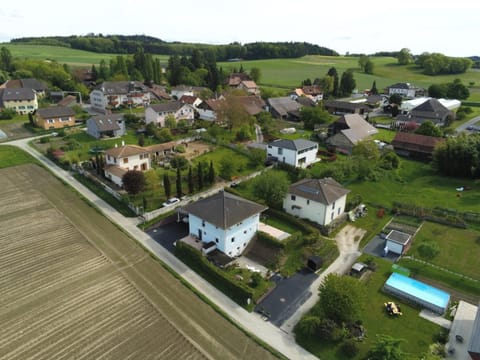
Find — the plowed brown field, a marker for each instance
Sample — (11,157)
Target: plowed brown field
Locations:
(72,285)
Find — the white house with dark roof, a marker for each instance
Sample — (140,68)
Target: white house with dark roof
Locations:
(111,125)
(157,113)
(21,100)
(404,89)
(113,94)
(318,200)
(121,159)
(226,220)
(298,153)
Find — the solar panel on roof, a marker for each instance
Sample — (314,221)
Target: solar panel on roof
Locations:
(308,189)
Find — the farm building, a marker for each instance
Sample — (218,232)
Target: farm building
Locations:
(415,145)
(418,293)
(347,131)
(398,242)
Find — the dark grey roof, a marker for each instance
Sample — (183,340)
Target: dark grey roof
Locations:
(401,86)
(224,209)
(399,237)
(55,111)
(107,122)
(431,108)
(18,94)
(121,87)
(284,105)
(298,144)
(168,106)
(305,101)
(474,346)
(33,84)
(339,104)
(324,191)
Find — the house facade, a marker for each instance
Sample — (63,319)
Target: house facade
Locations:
(298,153)
(21,100)
(158,113)
(406,90)
(318,200)
(108,125)
(119,160)
(179,91)
(38,86)
(250,87)
(226,220)
(415,145)
(208,109)
(54,117)
(113,94)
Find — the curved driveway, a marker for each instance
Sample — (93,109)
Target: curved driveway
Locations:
(273,336)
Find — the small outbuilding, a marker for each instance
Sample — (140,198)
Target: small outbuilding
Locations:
(314,263)
(398,242)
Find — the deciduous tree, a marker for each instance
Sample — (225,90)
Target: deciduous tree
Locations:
(133,181)
(271,187)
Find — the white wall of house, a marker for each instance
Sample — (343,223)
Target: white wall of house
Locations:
(98,100)
(394,247)
(410,93)
(22,106)
(186,112)
(231,241)
(207,114)
(312,210)
(178,93)
(114,178)
(135,162)
(295,158)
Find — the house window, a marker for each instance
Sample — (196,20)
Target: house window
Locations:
(216,240)
(244,231)
(333,205)
(338,213)
(203,223)
(293,197)
(233,239)
(108,157)
(331,217)
(125,160)
(280,151)
(238,247)
(308,202)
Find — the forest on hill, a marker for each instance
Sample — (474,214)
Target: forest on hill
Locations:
(128,44)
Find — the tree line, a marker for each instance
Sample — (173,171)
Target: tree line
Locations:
(120,44)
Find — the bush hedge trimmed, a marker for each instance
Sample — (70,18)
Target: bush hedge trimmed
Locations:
(269,240)
(199,263)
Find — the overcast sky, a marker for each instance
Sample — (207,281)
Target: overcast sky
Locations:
(450,27)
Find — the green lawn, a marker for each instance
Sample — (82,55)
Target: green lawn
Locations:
(459,248)
(385,135)
(12,156)
(417,333)
(417,183)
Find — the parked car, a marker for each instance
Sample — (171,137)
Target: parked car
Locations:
(171,202)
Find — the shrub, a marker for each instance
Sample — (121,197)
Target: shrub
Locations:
(45,140)
(179,162)
(269,240)
(7,114)
(349,348)
(329,331)
(428,249)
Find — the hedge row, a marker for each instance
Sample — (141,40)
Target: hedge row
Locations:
(200,264)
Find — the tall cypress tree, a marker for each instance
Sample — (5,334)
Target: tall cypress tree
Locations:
(166,185)
(178,183)
(191,187)
(200,175)
(211,173)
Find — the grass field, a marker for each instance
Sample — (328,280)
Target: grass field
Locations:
(74,285)
(418,183)
(459,248)
(417,333)
(11,156)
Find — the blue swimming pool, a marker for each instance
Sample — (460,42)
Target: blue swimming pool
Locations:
(425,295)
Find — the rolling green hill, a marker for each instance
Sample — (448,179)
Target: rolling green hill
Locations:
(278,73)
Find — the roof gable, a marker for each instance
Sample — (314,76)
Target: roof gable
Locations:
(171,106)
(297,144)
(55,111)
(126,151)
(224,209)
(107,122)
(358,129)
(12,94)
(325,191)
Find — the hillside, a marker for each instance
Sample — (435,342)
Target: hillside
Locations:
(276,73)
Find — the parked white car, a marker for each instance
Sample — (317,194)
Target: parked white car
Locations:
(171,202)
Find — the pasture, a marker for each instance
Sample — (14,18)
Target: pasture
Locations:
(75,286)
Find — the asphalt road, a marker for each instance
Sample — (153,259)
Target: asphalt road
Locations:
(463,127)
